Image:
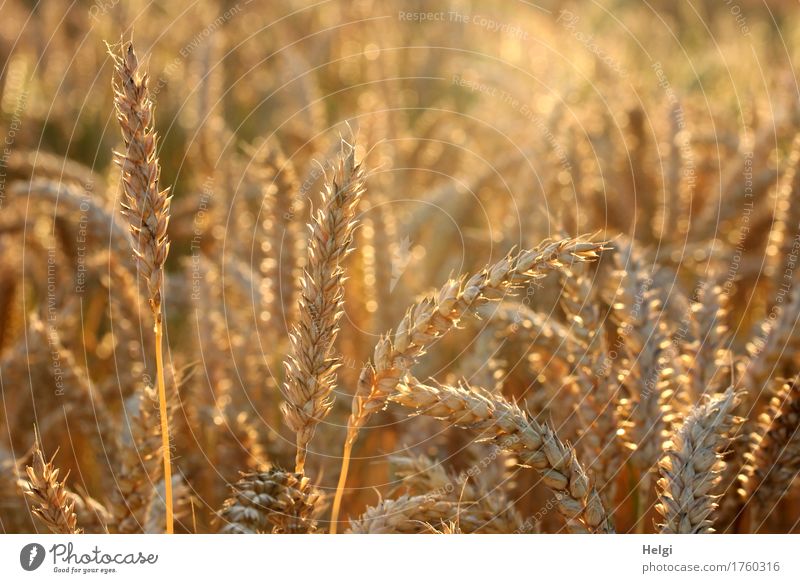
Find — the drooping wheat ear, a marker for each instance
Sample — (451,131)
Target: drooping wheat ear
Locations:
(775,459)
(311,366)
(104,229)
(51,502)
(403,515)
(82,402)
(140,465)
(29,165)
(147,209)
(272,501)
(439,313)
(691,466)
(433,317)
(533,443)
(478,494)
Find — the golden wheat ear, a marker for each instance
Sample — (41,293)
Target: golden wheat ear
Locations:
(404,515)
(691,467)
(481,504)
(774,460)
(51,503)
(146,207)
(436,315)
(273,501)
(311,366)
(533,443)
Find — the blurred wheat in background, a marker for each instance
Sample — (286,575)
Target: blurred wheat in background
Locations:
(371,267)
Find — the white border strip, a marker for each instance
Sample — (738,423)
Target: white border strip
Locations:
(403,558)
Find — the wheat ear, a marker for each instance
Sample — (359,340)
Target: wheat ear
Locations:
(533,443)
(139,466)
(147,210)
(282,247)
(437,314)
(481,502)
(51,502)
(597,405)
(774,461)
(311,366)
(273,501)
(691,466)
(403,515)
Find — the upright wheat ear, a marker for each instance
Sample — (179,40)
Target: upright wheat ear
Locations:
(147,210)
(311,366)
(691,466)
(51,503)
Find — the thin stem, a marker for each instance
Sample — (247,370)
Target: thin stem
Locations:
(300,457)
(337,500)
(642,498)
(162,406)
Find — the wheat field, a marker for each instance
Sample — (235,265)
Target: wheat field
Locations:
(378,267)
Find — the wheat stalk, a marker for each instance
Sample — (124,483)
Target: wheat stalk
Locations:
(691,466)
(147,209)
(311,366)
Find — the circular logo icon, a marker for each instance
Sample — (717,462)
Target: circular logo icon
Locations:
(31,556)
